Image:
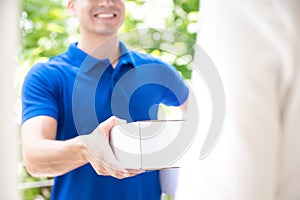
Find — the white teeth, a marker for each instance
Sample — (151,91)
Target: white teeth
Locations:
(105,15)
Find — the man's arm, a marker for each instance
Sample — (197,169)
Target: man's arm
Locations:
(45,156)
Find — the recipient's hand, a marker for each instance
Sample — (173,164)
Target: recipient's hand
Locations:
(99,153)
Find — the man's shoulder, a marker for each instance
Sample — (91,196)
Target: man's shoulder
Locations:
(52,70)
(145,59)
(51,65)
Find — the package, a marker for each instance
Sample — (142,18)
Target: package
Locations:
(154,144)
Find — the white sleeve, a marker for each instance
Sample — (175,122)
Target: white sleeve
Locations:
(168,181)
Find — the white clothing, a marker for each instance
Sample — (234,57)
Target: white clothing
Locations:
(255,47)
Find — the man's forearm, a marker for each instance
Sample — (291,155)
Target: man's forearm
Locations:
(46,156)
(54,158)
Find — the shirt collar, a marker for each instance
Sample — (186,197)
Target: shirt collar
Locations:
(126,55)
(77,56)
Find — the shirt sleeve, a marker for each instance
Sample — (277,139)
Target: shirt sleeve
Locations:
(178,91)
(39,93)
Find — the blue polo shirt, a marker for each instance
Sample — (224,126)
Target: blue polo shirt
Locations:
(80,92)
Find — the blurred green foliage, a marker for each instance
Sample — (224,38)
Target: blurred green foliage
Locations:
(47,30)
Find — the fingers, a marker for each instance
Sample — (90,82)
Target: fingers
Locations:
(100,154)
(130,173)
(118,121)
(102,158)
(114,169)
(119,174)
(126,174)
(135,171)
(108,124)
(102,168)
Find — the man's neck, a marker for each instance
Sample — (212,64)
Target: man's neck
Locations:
(101,47)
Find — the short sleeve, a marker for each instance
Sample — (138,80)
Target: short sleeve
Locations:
(39,93)
(178,93)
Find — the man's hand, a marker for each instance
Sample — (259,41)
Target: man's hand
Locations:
(99,153)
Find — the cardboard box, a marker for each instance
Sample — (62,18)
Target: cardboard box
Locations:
(149,145)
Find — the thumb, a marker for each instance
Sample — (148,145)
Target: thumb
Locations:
(107,125)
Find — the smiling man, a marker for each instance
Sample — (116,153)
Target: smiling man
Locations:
(56,141)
